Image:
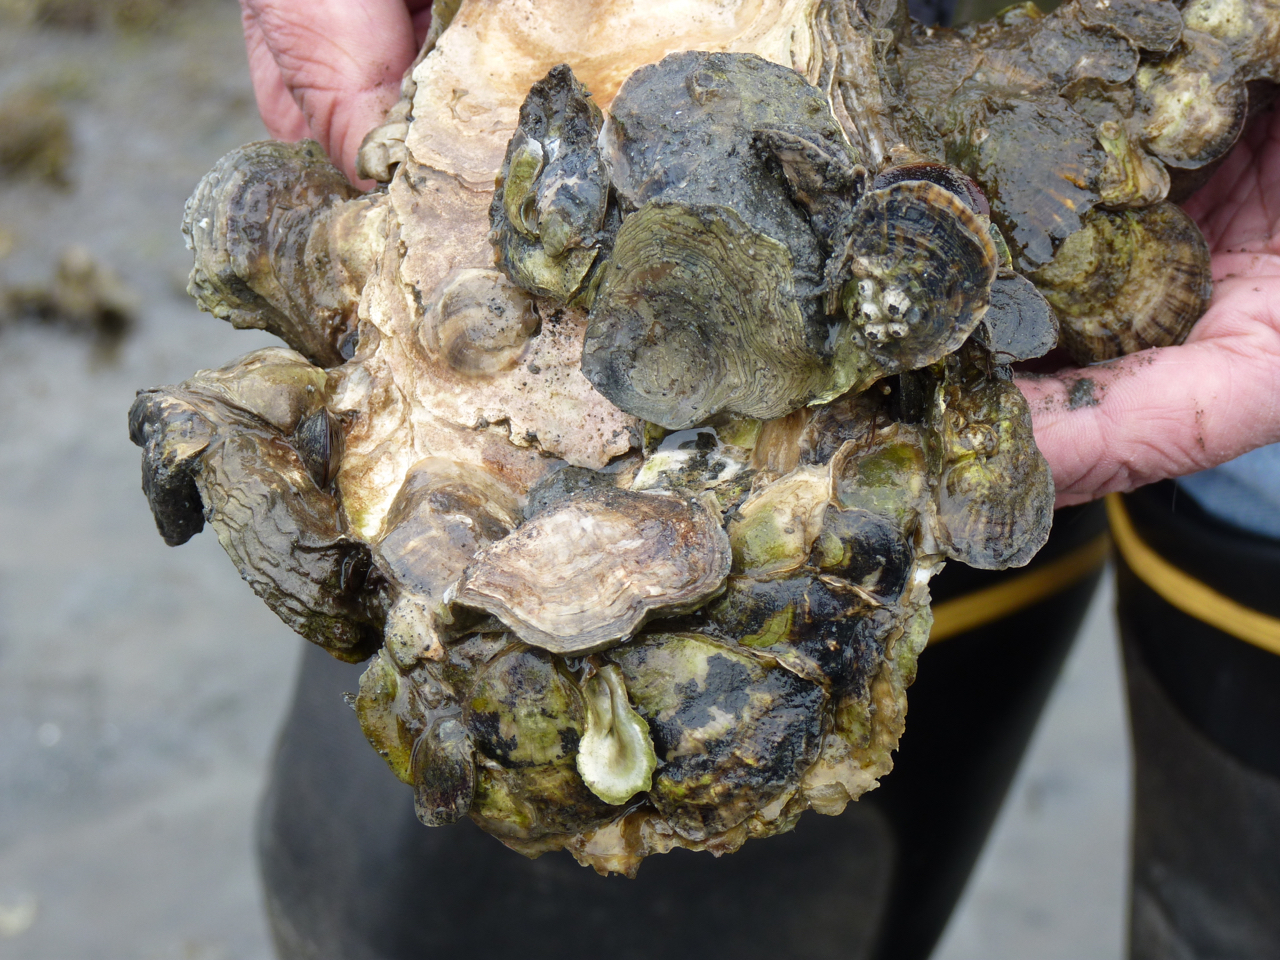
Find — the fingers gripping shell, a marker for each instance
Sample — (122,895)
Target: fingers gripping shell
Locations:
(586,573)
(596,634)
(919,266)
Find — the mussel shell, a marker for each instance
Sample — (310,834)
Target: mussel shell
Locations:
(1128,280)
(584,574)
(318,441)
(922,265)
(172,435)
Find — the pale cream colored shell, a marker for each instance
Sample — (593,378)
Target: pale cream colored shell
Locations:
(586,573)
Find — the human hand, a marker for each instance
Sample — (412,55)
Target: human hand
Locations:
(1172,411)
(330,69)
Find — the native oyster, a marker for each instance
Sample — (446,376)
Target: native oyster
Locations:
(626,421)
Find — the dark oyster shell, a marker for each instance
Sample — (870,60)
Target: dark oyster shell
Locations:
(1127,281)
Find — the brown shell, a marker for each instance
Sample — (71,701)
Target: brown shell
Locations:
(1128,280)
(587,572)
(921,265)
(994,496)
(278,249)
(443,513)
(1196,104)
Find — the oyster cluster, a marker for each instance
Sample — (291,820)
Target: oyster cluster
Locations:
(624,424)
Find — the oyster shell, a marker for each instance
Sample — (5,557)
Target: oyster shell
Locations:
(584,574)
(634,410)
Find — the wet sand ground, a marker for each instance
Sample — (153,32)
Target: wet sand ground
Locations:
(141,686)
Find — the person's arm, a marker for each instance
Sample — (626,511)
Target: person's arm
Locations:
(329,69)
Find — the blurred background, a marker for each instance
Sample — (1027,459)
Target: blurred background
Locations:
(141,686)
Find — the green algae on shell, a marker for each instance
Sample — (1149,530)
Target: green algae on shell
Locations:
(733,743)
(549,210)
(1128,280)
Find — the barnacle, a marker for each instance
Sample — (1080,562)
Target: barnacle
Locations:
(633,411)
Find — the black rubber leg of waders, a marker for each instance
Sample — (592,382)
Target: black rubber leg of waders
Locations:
(350,874)
(1205,718)
(970,715)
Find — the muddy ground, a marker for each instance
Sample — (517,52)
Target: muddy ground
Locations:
(141,686)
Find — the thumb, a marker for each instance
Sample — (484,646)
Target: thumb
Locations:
(1166,412)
